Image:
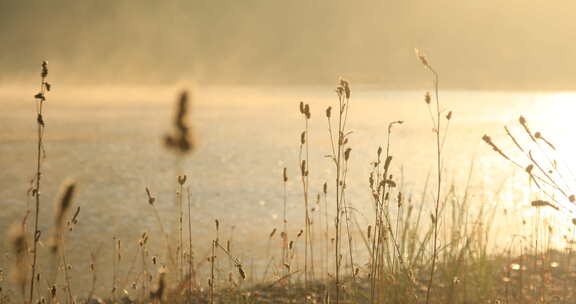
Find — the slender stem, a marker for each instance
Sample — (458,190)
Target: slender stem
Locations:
(439,181)
(190,256)
(212,258)
(338,198)
(285,227)
(39,148)
(181,229)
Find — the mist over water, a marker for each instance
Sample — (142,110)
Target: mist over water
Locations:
(510,45)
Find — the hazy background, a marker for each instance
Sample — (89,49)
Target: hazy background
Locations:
(512,44)
(115,66)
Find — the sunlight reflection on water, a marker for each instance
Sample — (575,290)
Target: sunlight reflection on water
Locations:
(247,135)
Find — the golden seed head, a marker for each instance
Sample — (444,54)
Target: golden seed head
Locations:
(346,87)
(522,120)
(182,179)
(369,230)
(62,206)
(151,199)
(422,57)
(44,71)
(539,203)
(347,153)
(241,272)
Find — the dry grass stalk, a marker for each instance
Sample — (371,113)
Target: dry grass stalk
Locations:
(40,154)
(191,272)
(343,93)
(304,176)
(546,175)
(439,145)
(284,234)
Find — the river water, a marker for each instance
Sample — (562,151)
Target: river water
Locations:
(109,141)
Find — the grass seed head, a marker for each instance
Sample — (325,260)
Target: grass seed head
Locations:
(181,139)
(181,179)
(63,204)
(17,239)
(44,70)
(347,153)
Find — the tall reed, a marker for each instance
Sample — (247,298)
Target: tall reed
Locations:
(40,154)
(338,151)
(304,176)
(436,120)
(284,234)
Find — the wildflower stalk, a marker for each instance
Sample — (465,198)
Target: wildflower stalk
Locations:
(304,164)
(439,145)
(41,97)
(343,92)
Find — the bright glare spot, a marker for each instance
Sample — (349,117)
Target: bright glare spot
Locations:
(515,266)
(262,203)
(554,264)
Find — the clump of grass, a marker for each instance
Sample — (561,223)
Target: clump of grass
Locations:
(537,156)
(546,172)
